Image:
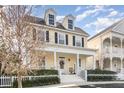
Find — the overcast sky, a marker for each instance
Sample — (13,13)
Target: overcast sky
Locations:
(91,19)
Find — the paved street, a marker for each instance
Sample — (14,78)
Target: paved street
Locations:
(115,85)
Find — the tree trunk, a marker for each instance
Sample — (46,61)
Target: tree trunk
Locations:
(19,79)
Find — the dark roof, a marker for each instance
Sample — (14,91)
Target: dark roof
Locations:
(36,20)
(41,21)
(109,28)
(79,30)
(59,25)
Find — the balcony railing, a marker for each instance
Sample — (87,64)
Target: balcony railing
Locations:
(117,52)
(106,51)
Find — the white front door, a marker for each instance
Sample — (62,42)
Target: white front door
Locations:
(62,65)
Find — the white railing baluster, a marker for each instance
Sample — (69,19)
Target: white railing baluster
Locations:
(7,81)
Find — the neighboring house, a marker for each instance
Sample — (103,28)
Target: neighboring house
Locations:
(66,45)
(110,47)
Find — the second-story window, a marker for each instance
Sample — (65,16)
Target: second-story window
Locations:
(78,41)
(61,38)
(51,19)
(41,36)
(70,24)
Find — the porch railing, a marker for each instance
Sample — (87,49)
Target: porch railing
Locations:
(115,51)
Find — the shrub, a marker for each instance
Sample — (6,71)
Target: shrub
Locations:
(38,82)
(98,71)
(43,72)
(101,78)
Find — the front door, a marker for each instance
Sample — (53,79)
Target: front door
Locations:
(62,65)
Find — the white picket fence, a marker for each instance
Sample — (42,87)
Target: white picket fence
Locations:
(7,81)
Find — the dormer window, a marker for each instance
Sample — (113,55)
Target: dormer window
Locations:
(51,19)
(70,24)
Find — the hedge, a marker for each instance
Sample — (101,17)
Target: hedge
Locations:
(98,71)
(101,78)
(43,72)
(38,82)
(39,72)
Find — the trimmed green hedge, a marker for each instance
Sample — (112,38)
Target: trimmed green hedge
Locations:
(101,78)
(38,82)
(98,71)
(43,72)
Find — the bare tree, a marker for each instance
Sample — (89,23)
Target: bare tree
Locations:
(18,45)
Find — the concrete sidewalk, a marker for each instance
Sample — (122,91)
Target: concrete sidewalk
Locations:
(75,85)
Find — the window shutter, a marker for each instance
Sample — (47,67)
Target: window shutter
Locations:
(66,39)
(73,40)
(56,37)
(34,34)
(47,36)
(82,42)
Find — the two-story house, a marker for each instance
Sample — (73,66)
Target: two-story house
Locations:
(110,47)
(66,45)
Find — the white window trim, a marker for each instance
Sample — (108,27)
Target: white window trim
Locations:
(44,32)
(78,38)
(49,20)
(71,24)
(64,39)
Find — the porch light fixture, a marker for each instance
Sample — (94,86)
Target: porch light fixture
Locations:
(69,59)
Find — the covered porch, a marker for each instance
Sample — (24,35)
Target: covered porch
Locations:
(68,60)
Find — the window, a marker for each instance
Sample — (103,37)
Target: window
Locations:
(42,63)
(70,24)
(51,19)
(34,34)
(41,35)
(78,41)
(61,38)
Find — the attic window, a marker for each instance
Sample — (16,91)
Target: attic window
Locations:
(51,19)
(70,24)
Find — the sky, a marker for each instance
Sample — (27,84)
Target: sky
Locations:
(91,18)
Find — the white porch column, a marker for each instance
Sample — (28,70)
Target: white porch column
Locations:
(111,63)
(77,64)
(121,54)
(94,63)
(111,53)
(121,64)
(55,63)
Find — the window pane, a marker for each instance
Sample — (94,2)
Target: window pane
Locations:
(78,41)
(51,19)
(70,24)
(41,36)
(61,39)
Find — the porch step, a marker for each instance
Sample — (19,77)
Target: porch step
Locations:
(71,79)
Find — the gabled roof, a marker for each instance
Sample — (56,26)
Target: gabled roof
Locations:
(109,28)
(41,21)
(79,30)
